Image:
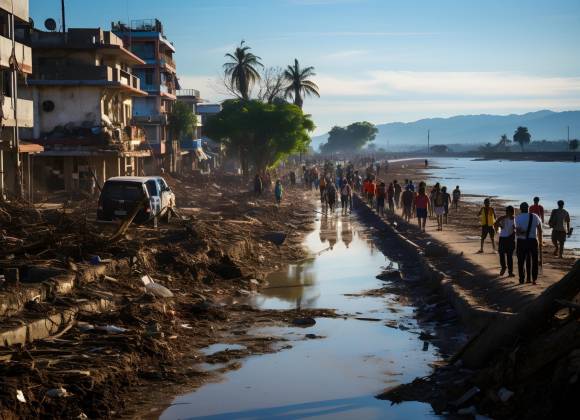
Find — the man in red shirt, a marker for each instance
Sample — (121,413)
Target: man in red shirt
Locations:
(537,209)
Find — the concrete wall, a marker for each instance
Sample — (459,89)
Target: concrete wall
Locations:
(20,8)
(73,104)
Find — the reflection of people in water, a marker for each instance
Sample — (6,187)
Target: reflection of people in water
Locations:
(346,232)
(323,228)
(332,232)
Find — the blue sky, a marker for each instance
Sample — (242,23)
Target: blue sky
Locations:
(376,60)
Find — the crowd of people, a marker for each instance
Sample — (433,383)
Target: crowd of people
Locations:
(520,234)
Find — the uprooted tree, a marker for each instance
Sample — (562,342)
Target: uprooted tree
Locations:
(349,139)
(260,134)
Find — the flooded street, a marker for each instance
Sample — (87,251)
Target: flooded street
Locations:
(348,361)
(337,369)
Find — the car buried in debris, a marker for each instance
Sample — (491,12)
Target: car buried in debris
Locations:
(122,195)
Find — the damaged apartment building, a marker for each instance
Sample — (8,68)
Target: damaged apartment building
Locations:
(147,40)
(16,110)
(82,86)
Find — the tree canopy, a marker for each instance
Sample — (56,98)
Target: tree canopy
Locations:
(299,85)
(522,136)
(182,120)
(260,134)
(573,144)
(242,70)
(349,139)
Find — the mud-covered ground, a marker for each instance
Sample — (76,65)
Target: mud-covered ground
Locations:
(109,363)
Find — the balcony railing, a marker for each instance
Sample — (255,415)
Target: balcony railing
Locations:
(133,134)
(166,60)
(86,72)
(188,92)
(23,55)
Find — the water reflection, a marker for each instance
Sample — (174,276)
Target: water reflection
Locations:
(298,286)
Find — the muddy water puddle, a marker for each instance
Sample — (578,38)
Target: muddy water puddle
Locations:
(334,368)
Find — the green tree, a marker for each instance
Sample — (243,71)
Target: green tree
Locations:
(242,70)
(349,139)
(260,134)
(522,136)
(299,85)
(182,120)
(504,142)
(574,144)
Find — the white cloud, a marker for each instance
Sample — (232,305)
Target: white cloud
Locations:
(428,84)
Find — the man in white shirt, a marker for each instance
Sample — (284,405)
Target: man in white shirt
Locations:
(528,231)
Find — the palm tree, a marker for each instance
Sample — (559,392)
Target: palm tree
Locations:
(242,70)
(522,136)
(504,142)
(299,84)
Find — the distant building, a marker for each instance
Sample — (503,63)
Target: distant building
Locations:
(193,155)
(146,39)
(82,86)
(16,110)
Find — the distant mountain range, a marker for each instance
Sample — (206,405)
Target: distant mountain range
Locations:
(472,129)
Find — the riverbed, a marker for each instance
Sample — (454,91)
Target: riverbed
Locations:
(332,369)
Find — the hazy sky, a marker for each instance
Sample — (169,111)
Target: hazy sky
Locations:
(376,60)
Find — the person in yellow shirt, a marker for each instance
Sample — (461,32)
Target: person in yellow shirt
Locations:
(487,220)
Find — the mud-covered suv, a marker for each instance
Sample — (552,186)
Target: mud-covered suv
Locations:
(121,195)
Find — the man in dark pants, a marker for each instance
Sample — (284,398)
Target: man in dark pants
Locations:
(528,230)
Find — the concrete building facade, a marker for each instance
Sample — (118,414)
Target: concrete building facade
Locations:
(16,110)
(146,39)
(82,88)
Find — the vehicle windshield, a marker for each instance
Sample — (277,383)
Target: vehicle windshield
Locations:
(120,190)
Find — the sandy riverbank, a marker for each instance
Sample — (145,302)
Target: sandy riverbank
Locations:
(462,234)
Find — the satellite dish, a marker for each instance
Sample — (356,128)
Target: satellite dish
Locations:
(50,24)
(31,23)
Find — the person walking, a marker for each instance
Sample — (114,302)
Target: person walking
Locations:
(371,191)
(435,190)
(456,197)
(391,198)
(537,209)
(407,200)
(422,205)
(322,188)
(258,185)
(560,224)
(446,202)
(398,191)
(507,241)
(346,197)
(381,195)
(487,220)
(278,191)
(439,205)
(528,230)
(331,196)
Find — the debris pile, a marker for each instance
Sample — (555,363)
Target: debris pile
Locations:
(87,314)
(525,366)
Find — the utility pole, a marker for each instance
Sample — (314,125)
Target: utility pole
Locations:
(568,136)
(63,16)
(428,142)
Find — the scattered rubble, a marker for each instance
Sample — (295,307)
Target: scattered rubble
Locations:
(91,311)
